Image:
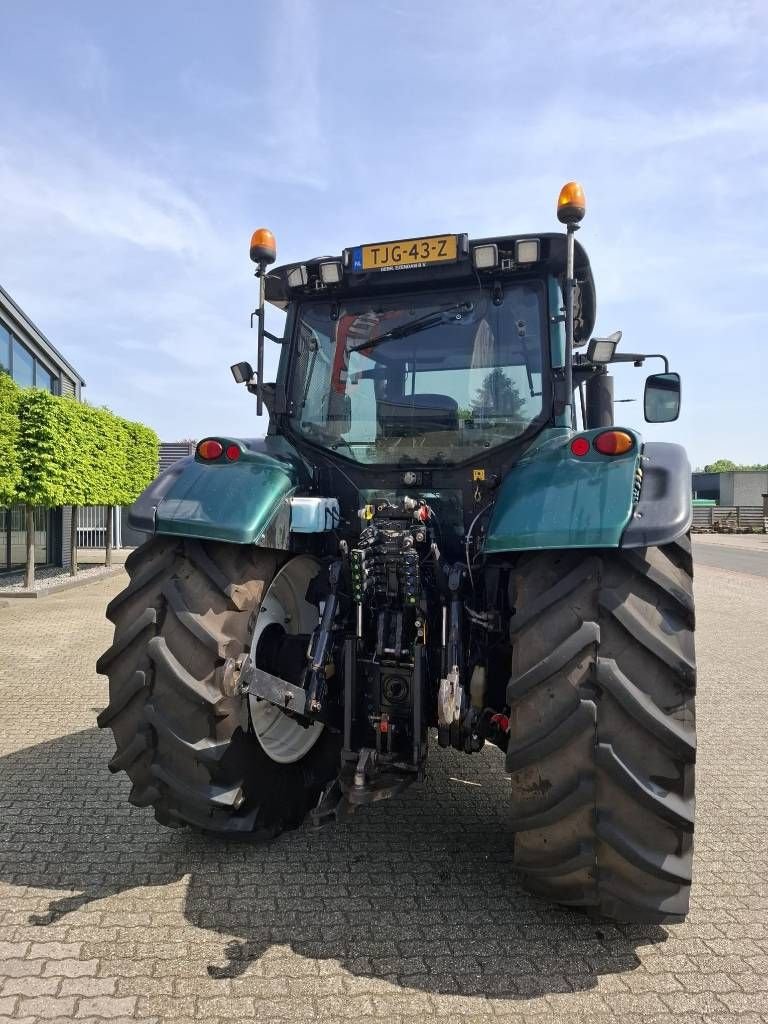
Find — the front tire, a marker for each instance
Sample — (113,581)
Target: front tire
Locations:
(602,729)
(181,730)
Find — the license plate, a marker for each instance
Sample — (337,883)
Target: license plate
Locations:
(406,254)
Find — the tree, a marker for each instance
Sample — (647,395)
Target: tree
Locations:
(141,449)
(10,471)
(726,466)
(497,396)
(73,454)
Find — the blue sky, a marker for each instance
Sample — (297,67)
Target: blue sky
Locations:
(140,145)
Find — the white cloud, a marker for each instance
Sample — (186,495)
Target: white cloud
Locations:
(279,115)
(654,32)
(124,270)
(559,43)
(83,188)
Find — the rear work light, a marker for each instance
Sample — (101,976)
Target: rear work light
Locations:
(330,273)
(297,277)
(485,257)
(527,250)
(613,442)
(210,449)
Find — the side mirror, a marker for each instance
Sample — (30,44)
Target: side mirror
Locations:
(661,402)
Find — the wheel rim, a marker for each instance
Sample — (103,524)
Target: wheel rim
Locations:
(282,738)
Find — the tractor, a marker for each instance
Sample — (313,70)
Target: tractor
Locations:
(442,538)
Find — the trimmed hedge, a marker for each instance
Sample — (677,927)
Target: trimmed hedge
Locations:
(142,457)
(73,454)
(10,470)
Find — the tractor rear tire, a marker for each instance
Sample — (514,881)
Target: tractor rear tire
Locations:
(602,738)
(181,730)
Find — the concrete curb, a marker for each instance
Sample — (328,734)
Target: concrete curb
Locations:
(57,588)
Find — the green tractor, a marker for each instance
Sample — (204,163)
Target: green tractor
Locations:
(443,536)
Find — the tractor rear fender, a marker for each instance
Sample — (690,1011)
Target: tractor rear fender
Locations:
(664,511)
(555,499)
(245,501)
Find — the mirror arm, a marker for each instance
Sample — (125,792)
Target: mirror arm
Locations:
(273,337)
(638,358)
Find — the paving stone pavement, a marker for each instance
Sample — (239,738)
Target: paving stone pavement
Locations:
(410,911)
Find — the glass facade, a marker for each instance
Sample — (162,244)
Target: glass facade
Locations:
(26,369)
(43,379)
(5,349)
(28,372)
(22,365)
(13,537)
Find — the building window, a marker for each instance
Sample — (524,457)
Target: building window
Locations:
(23,365)
(27,371)
(43,379)
(5,349)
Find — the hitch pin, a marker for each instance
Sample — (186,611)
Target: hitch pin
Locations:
(360,621)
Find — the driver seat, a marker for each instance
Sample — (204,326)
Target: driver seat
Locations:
(413,415)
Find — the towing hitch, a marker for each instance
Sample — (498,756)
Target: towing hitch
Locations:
(360,782)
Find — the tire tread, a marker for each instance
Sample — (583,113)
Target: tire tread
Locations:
(604,816)
(181,731)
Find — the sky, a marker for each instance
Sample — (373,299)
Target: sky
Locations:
(140,145)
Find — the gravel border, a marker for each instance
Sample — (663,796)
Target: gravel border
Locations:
(53,579)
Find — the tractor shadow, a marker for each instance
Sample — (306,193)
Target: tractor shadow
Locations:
(419,891)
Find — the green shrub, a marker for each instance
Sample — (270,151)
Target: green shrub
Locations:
(73,454)
(142,452)
(10,470)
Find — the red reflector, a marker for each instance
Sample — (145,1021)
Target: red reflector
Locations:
(613,442)
(210,449)
(233,452)
(579,446)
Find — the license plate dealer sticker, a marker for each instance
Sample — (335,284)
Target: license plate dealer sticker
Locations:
(407,254)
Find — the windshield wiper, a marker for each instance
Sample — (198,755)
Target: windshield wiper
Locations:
(421,323)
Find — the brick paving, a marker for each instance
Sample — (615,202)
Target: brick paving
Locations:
(408,912)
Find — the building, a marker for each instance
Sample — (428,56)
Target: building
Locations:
(731,489)
(33,362)
(172,451)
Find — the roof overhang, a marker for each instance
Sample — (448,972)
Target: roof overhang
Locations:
(20,323)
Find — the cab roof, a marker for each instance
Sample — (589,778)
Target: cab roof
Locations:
(356,285)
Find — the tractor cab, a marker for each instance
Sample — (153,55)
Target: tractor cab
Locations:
(425,352)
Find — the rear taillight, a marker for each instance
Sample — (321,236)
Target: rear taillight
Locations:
(579,446)
(613,442)
(210,449)
(233,452)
